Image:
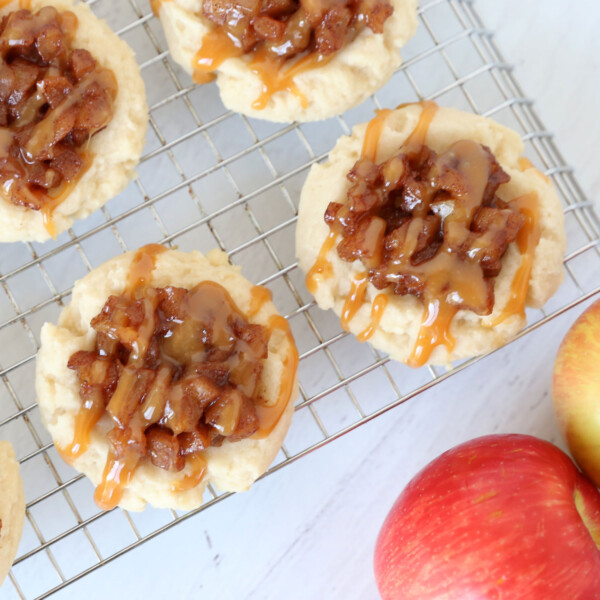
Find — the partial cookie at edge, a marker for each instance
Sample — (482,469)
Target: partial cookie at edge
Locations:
(12,508)
(401,321)
(116,149)
(356,72)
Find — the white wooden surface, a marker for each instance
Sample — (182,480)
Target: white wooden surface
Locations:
(309,531)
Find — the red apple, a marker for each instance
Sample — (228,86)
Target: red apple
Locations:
(502,517)
(576,390)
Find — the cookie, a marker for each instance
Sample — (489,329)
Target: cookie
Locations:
(348,52)
(177,356)
(74,117)
(12,508)
(459,234)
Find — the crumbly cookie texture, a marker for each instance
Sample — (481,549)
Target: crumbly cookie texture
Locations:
(398,329)
(356,72)
(12,508)
(116,149)
(231,467)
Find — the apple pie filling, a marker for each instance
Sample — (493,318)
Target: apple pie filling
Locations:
(177,371)
(431,226)
(283,37)
(53,99)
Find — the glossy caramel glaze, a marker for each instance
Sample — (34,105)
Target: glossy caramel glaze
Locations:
(527,241)
(322,269)
(355,299)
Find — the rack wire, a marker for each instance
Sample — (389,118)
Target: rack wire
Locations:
(210,178)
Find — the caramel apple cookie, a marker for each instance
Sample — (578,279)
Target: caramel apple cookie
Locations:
(12,508)
(428,233)
(167,371)
(73,117)
(289,60)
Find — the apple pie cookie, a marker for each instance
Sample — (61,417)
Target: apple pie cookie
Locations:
(428,233)
(289,60)
(167,371)
(12,508)
(73,116)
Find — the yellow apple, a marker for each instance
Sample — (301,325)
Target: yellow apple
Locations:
(576,390)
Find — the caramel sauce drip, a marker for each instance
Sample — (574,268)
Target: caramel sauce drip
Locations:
(527,241)
(525,164)
(276,78)
(53,200)
(116,476)
(156,4)
(322,269)
(23,4)
(373,133)
(216,48)
(275,74)
(269,415)
(198,465)
(434,331)
(85,420)
(377,309)
(259,296)
(354,300)
(142,266)
(419,135)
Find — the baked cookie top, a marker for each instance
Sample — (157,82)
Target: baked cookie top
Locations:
(73,117)
(12,508)
(428,233)
(287,60)
(167,371)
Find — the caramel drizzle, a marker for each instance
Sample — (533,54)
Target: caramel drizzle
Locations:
(275,74)
(269,415)
(52,201)
(275,79)
(155,6)
(373,133)
(216,48)
(377,309)
(525,164)
(259,296)
(23,4)
(434,331)
(85,420)
(527,240)
(419,134)
(142,267)
(115,478)
(354,300)
(322,269)
(198,465)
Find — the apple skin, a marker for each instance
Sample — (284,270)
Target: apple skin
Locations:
(576,391)
(493,519)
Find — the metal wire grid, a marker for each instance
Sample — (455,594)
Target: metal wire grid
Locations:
(211,177)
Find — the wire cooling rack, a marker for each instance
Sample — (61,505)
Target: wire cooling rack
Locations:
(210,178)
